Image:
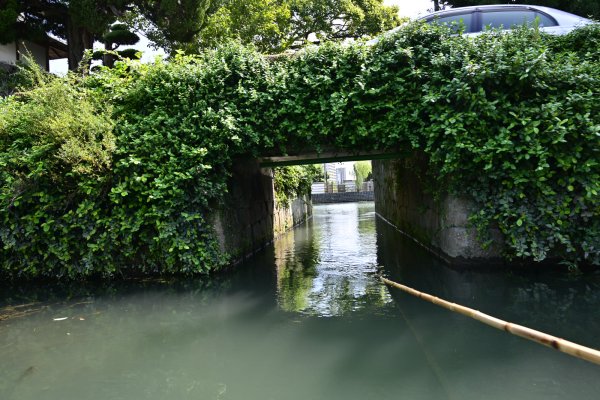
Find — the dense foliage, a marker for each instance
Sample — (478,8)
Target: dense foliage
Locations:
(8,81)
(274,25)
(119,173)
(294,181)
(56,145)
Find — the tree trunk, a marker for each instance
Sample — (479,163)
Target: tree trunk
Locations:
(79,39)
(108,60)
(436,5)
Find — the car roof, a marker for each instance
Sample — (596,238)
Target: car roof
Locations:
(562,17)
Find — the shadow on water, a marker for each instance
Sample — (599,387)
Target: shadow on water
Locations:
(557,302)
(465,353)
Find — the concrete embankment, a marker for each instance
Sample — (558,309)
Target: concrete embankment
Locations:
(439,224)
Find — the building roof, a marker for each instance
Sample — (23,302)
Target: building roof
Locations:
(57,49)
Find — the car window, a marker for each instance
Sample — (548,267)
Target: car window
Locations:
(508,19)
(546,20)
(457,21)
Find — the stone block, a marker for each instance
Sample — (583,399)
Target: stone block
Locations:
(441,226)
(456,211)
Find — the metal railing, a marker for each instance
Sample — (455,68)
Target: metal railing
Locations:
(346,187)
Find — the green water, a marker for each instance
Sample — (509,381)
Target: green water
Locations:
(304,319)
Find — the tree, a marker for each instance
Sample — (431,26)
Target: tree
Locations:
(585,8)
(362,170)
(274,25)
(82,22)
(78,22)
(266,23)
(118,35)
(172,24)
(334,19)
(294,181)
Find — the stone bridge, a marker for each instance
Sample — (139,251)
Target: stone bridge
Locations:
(252,218)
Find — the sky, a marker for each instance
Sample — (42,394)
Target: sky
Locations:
(408,8)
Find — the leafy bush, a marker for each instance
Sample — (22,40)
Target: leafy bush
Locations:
(517,128)
(119,172)
(24,76)
(56,147)
(585,42)
(7,80)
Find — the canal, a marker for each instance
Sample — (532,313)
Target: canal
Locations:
(304,319)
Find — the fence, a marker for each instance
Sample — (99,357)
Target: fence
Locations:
(346,187)
(347,197)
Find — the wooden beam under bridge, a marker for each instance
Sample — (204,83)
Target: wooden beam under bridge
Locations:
(328,157)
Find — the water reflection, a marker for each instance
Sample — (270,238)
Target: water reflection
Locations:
(237,336)
(328,267)
(555,302)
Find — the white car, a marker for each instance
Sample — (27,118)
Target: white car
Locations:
(479,18)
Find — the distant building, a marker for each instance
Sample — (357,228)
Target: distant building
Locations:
(330,183)
(339,176)
(41,51)
(329,170)
(345,172)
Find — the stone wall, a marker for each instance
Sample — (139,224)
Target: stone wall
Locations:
(287,216)
(347,197)
(250,218)
(440,225)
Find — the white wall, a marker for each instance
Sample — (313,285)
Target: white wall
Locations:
(317,187)
(8,53)
(348,167)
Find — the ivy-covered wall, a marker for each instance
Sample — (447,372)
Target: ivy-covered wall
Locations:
(120,172)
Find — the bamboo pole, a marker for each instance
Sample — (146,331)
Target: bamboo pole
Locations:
(562,345)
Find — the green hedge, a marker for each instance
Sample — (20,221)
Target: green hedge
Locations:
(121,174)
